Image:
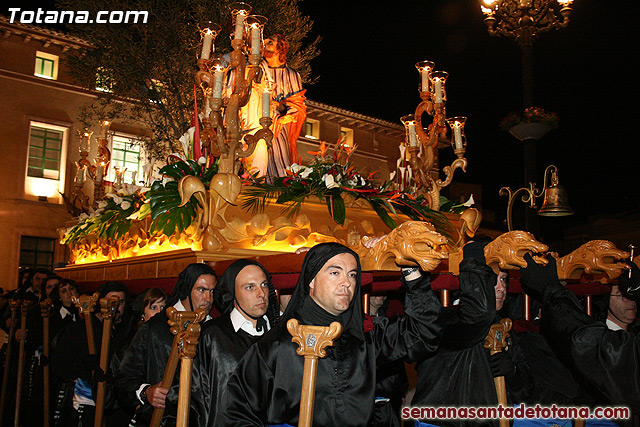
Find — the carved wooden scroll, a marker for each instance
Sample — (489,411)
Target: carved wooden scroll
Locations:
(312,341)
(45,309)
(187,343)
(14,305)
(495,342)
(108,307)
(178,322)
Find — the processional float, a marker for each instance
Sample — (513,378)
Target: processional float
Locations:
(220,230)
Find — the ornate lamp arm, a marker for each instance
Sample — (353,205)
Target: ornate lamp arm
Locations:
(529,196)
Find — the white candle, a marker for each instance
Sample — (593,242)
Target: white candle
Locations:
(266,103)
(80,176)
(99,173)
(84,143)
(217,83)
(457,136)
(239,26)
(413,137)
(207,41)
(425,79)
(255,40)
(438,90)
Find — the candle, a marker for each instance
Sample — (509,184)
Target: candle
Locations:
(84,142)
(425,79)
(104,129)
(255,40)
(217,82)
(266,103)
(457,135)
(438,89)
(207,41)
(239,26)
(99,173)
(413,137)
(80,176)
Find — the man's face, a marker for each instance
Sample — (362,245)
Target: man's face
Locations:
(270,48)
(202,293)
(252,291)
(66,292)
(622,308)
(51,284)
(501,289)
(376,301)
(121,305)
(37,281)
(334,285)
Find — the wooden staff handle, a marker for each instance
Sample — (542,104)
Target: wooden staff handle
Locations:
(178,322)
(13,305)
(312,341)
(187,351)
(495,342)
(45,308)
(108,307)
(24,308)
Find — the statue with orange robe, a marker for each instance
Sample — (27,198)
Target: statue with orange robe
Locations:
(288,110)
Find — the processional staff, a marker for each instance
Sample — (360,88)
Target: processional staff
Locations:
(108,307)
(13,305)
(178,322)
(312,341)
(45,308)
(187,344)
(495,342)
(85,304)
(24,308)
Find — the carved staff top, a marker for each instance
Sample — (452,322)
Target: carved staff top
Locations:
(496,339)
(14,305)
(186,326)
(108,306)
(86,303)
(312,340)
(45,307)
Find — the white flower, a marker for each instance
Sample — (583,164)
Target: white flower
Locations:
(116,199)
(102,204)
(202,161)
(166,179)
(295,168)
(185,140)
(125,205)
(470,202)
(306,172)
(329,182)
(83,216)
(392,175)
(403,150)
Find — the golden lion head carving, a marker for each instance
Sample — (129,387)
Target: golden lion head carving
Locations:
(594,257)
(507,251)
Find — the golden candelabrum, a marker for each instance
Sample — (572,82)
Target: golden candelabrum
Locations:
(222,126)
(422,142)
(79,202)
(525,19)
(555,201)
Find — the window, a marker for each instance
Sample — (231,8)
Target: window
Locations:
(46,66)
(312,129)
(45,149)
(125,153)
(36,252)
(346,135)
(46,160)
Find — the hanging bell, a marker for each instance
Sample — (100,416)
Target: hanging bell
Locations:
(555,202)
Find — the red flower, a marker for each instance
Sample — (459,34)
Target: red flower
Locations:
(287,181)
(304,182)
(368,323)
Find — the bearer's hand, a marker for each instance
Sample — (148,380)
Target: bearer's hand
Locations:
(157,395)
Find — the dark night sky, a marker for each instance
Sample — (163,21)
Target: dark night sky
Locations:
(581,72)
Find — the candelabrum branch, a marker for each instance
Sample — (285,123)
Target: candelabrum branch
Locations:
(529,196)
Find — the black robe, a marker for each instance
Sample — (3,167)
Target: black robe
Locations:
(220,348)
(144,362)
(610,360)
(458,374)
(265,388)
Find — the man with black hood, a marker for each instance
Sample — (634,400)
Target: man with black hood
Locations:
(72,362)
(140,374)
(265,387)
(247,299)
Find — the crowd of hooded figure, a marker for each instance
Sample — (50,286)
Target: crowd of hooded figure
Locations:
(247,372)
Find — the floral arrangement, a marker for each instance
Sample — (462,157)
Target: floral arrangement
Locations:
(332,177)
(530,115)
